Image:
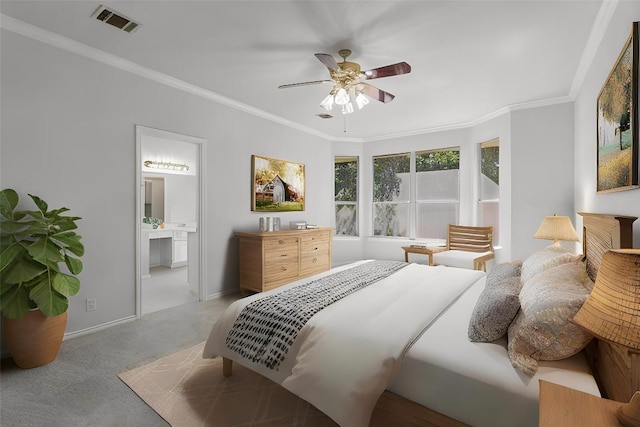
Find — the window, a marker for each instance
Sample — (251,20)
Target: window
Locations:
(391,195)
(437,191)
(346,195)
(489,183)
(416,195)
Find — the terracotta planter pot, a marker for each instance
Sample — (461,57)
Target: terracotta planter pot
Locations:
(35,339)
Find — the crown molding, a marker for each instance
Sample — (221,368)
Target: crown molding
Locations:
(64,43)
(598,30)
(36,33)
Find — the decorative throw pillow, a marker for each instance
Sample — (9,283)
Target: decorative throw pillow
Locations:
(495,309)
(503,271)
(542,330)
(540,261)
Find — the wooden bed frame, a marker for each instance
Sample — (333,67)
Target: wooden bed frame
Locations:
(610,363)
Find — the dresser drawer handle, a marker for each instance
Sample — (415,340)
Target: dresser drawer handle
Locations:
(283,268)
(315,260)
(283,255)
(315,249)
(281,242)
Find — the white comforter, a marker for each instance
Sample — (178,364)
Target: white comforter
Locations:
(346,355)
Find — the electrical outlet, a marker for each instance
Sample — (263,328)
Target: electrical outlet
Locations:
(91,304)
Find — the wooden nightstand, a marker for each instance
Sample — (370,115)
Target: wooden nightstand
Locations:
(566,407)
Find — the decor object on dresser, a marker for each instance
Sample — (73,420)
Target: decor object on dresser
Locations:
(556,228)
(612,313)
(271,259)
(467,247)
(35,288)
(277,185)
(617,145)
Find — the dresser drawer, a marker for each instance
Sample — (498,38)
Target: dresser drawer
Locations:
(314,263)
(280,244)
(280,272)
(312,239)
(317,247)
(280,255)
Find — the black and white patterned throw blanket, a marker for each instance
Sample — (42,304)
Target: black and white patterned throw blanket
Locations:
(266,329)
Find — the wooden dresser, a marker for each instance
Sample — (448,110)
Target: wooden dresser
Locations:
(274,258)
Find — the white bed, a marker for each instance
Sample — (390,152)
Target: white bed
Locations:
(474,383)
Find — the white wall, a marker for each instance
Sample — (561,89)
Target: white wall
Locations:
(586,199)
(68,136)
(541,172)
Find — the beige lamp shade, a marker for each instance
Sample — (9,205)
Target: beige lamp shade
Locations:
(556,228)
(612,311)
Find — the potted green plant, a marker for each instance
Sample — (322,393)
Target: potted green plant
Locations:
(39,261)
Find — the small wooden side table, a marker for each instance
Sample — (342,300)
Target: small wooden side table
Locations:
(424,250)
(563,406)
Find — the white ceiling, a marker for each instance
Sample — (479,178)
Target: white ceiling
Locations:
(469,59)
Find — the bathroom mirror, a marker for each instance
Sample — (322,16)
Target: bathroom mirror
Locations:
(154,197)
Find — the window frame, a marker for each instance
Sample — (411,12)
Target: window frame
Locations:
(356,202)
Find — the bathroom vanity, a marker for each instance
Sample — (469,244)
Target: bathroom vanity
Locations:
(166,247)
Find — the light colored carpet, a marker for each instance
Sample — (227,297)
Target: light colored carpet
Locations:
(187,391)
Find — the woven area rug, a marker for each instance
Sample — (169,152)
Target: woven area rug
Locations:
(187,390)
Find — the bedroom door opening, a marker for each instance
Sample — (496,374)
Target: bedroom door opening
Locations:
(170,191)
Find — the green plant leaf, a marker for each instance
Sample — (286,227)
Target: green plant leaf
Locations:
(14,302)
(65,284)
(73,264)
(8,202)
(12,227)
(10,255)
(71,242)
(45,251)
(67,223)
(41,204)
(22,270)
(50,302)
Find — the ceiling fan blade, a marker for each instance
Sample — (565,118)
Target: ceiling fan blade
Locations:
(377,94)
(388,71)
(328,61)
(315,82)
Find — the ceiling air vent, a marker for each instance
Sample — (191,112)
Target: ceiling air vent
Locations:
(116,19)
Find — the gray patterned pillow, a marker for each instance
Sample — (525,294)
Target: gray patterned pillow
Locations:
(503,271)
(542,329)
(540,261)
(495,309)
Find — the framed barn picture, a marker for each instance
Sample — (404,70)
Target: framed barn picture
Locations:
(278,185)
(617,128)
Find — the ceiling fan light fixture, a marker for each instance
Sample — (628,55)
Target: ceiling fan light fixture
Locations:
(347,108)
(327,103)
(361,100)
(341,97)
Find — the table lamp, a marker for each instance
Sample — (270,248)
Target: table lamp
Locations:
(612,313)
(556,228)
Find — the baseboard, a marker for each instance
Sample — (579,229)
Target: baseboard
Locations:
(221,294)
(100,327)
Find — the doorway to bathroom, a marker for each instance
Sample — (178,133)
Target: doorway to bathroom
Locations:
(170,193)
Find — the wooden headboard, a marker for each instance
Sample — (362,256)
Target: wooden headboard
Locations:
(610,363)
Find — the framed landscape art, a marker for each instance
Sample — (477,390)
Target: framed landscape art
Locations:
(278,185)
(617,150)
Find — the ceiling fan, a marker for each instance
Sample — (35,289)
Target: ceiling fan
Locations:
(349,87)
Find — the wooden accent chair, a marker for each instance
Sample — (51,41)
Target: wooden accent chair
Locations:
(467,247)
